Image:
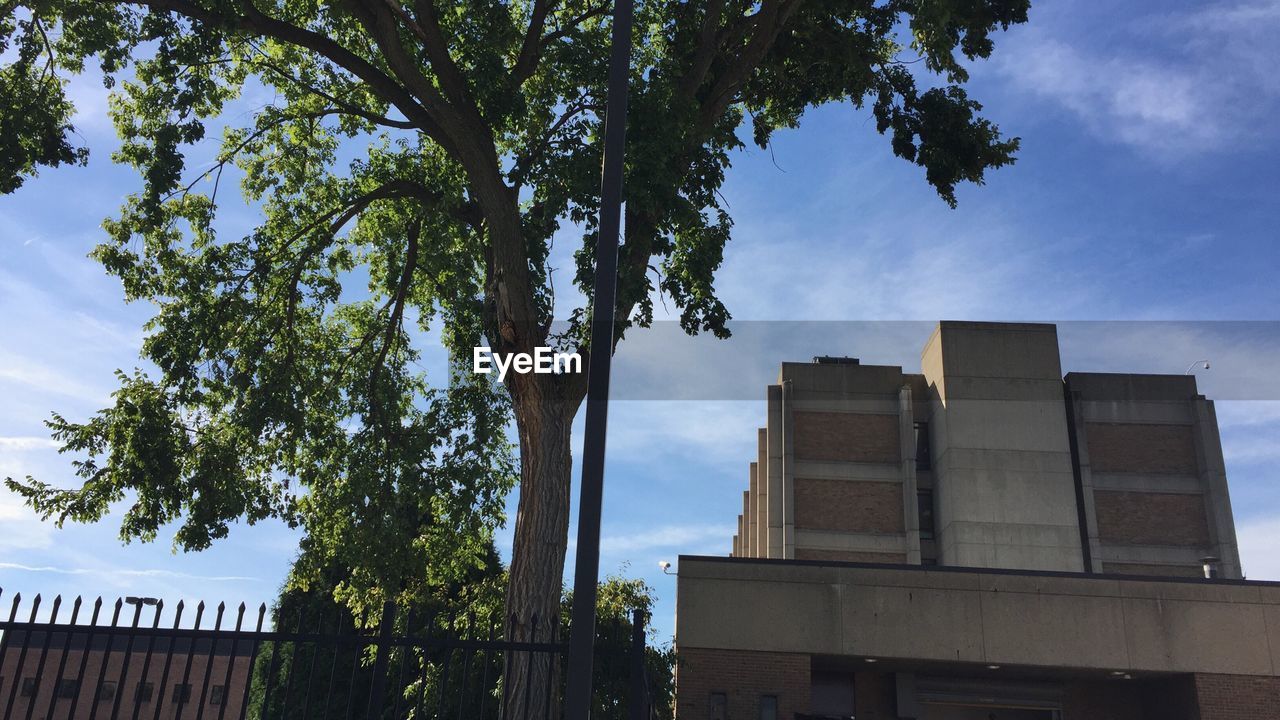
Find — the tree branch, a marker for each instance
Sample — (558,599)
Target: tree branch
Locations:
(255,21)
(531,48)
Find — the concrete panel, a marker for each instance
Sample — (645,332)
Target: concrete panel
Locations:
(1049,620)
(1180,636)
(867,542)
(941,623)
(1131,389)
(841,379)
(1148,413)
(1073,630)
(991,495)
(1147,483)
(1158,554)
(1271,620)
(1023,426)
(743,615)
(874,472)
(1005,350)
(879,404)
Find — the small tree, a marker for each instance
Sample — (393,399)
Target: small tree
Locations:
(415,166)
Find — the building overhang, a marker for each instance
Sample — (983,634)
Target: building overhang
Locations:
(909,616)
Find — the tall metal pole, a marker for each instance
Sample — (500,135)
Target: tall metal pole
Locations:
(587,564)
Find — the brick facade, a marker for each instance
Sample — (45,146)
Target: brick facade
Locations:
(846,437)
(848,505)
(743,676)
(1238,697)
(1134,448)
(1146,518)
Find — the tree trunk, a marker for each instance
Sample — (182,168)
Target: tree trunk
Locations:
(544,409)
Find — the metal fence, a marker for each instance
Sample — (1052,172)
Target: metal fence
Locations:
(420,665)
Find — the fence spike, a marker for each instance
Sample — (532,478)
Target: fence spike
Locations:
(13,612)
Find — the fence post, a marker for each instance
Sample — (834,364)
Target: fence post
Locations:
(639,688)
(378,689)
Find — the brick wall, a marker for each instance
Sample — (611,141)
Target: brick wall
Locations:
(846,437)
(1238,697)
(1146,518)
(743,676)
(1133,448)
(850,556)
(848,505)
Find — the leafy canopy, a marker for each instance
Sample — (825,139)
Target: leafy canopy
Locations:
(410,171)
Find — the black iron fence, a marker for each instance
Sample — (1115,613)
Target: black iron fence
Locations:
(118,661)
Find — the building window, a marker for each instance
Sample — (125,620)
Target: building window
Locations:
(106,691)
(924,457)
(719,706)
(68,688)
(29,686)
(768,707)
(216,694)
(924,506)
(143,693)
(181,693)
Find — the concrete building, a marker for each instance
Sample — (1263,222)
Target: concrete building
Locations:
(984,539)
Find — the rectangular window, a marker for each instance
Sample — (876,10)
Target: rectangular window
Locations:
(182,692)
(29,686)
(67,688)
(924,505)
(768,707)
(924,457)
(719,706)
(143,692)
(216,694)
(106,691)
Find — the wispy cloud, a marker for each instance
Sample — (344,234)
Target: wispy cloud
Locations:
(1206,81)
(29,372)
(676,538)
(118,572)
(26,443)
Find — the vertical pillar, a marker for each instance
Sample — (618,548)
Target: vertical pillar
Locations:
(1213,478)
(788,473)
(773,472)
(907,452)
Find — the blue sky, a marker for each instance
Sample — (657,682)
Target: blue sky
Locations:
(1145,191)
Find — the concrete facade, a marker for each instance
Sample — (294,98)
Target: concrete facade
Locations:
(913,642)
(1011,464)
(984,539)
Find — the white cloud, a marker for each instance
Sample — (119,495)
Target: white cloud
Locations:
(1258,540)
(714,432)
(30,372)
(1251,449)
(675,538)
(1168,85)
(125,572)
(26,443)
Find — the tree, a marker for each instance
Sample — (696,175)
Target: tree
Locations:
(429,150)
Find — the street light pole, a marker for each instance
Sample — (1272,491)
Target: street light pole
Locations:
(587,563)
